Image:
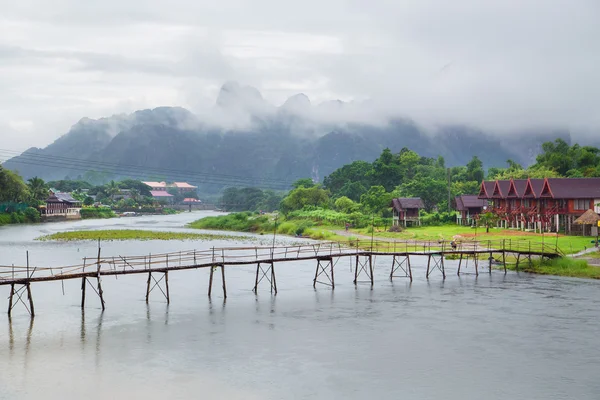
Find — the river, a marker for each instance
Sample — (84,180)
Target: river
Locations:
(514,336)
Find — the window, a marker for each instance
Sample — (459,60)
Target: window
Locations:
(581,204)
(525,202)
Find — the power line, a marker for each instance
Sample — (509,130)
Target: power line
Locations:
(142,171)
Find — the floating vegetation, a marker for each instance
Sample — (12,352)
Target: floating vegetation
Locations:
(138,234)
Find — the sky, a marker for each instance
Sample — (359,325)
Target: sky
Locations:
(503,66)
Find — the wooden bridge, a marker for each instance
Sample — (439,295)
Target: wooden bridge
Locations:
(326,255)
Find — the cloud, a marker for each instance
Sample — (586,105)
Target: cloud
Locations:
(499,65)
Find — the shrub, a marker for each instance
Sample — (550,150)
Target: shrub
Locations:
(395,228)
(31,214)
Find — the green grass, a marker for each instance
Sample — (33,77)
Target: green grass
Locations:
(567,244)
(595,255)
(128,234)
(97,213)
(560,267)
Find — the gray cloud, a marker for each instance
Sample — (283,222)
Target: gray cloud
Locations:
(499,65)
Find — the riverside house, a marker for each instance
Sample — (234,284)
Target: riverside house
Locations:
(406,211)
(61,205)
(469,207)
(550,204)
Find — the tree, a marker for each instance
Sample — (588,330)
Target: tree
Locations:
(386,170)
(488,220)
(345,205)
(303,182)
(376,200)
(301,197)
(475,170)
(356,174)
(13,187)
(37,189)
(112,188)
(88,201)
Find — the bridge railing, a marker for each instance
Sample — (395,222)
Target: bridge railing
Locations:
(249,255)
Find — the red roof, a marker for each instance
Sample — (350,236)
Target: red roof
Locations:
(160,193)
(403,203)
(574,188)
(469,201)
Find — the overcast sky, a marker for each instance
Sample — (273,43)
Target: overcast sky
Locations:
(499,65)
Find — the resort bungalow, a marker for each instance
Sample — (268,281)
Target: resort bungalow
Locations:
(469,208)
(181,187)
(406,210)
(550,204)
(61,205)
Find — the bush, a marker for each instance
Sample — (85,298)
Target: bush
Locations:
(395,228)
(32,215)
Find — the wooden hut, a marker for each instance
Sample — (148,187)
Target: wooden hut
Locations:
(589,218)
(469,207)
(406,211)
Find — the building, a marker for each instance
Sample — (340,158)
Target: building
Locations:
(550,204)
(469,208)
(61,205)
(184,187)
(162,196)
(181,187)
(406,211)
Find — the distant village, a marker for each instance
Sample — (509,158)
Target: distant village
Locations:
(65,205)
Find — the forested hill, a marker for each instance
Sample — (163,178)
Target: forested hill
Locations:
(271,148)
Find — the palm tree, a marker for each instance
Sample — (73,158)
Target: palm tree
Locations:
(37,188)
(112,188)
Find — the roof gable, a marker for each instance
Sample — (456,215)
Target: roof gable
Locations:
(546,191)
(512,190)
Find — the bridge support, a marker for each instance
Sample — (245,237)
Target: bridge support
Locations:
(268,273)
(438,262)
(210,281)
(98,291)
(323,264)
(365,266)
(165,291)
(475,262)
(403,264)
(18,293)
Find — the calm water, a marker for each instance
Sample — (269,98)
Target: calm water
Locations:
(493,337)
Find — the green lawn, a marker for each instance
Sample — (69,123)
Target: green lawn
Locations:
(560,267)
(130,234)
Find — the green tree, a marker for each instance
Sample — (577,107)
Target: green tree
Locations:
(475,170)
(88,201)
(345,205)
(351,180)
(376,200)
(303,182)
(488,220)
(37,189)
(301,197)
(13,189)
(386,170)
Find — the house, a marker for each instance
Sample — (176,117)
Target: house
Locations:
(181,187)
(469,208)
(406,210)
(550,204)
(61,205)
(162,196)
(156,186)
(191,200)
(184,187)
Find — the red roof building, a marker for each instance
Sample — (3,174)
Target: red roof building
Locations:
(469,208)
(550,204)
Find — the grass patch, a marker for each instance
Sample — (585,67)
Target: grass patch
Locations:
(97,213)
(130,234)
(563,266)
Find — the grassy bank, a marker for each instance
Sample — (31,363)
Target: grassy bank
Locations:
(266,224)
(29,215)
(97,213)
(565,266)
(128,234)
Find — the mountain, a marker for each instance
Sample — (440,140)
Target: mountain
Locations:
(247,141)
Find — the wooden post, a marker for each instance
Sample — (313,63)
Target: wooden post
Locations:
(332,280)
(428,264)
(273,280)
(210,280)
(317,274)
(356,269)
(491,258)
(148,286)
(100,292)
(255,290)
(371,268)
(223,276)
(83,279)
(459,264)
(517,264)
(167,286)
(10,298)
(504,260)
(30,298)
(476,259)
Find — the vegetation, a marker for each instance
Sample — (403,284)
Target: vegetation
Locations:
(97,212)
(128,234)
(564,266)
(250,199)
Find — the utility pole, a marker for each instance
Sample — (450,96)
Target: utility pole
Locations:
(449,192)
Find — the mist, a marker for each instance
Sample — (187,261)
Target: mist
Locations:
(503,67)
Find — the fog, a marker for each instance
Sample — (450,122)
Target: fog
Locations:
(506,67)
